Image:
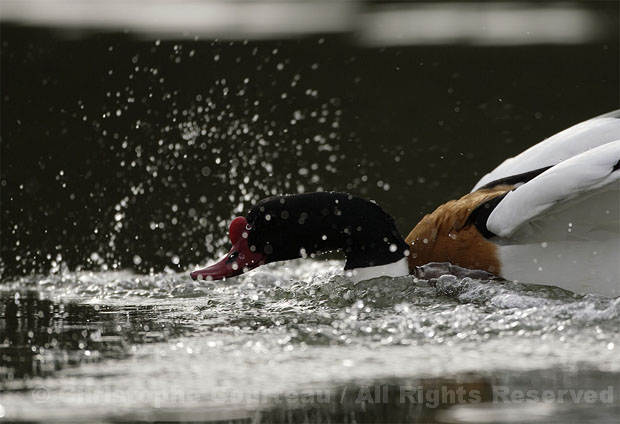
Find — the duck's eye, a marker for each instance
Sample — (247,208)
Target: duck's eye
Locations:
(232,257)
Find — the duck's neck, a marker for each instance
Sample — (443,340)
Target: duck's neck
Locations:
(399,268)
(288,227)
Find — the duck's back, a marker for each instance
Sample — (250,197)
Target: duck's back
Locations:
(575,245)
(561,225)
(564,145)
(550,215)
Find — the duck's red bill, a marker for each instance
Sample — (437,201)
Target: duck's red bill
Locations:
(240,259)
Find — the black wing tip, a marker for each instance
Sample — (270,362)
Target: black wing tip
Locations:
(480,215)
(517,178)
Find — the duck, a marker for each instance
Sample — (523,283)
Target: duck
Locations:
(548,216)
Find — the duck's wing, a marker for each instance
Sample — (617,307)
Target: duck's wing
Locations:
(584,189)
(563,145)
(562,227)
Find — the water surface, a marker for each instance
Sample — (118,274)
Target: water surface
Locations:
(300,342)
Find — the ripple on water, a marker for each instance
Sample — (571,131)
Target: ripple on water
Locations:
(295,325)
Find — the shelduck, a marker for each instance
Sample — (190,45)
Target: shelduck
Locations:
(550,216)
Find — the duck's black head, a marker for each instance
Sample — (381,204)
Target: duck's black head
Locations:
(287,227)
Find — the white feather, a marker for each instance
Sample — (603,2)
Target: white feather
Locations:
(563,145)
(578,266)
(562,228)
(395,269)
(578,177)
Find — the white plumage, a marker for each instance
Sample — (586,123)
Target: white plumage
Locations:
(563,226)
(561,146)
(573,179)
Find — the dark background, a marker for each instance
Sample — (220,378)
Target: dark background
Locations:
(120,152)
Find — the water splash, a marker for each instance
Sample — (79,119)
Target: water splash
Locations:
(290,326)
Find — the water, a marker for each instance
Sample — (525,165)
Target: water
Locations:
(124,158)
(299,342)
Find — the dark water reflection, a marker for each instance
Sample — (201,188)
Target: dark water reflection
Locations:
(40,336)
(419,401)
(468,398)
(464,398)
